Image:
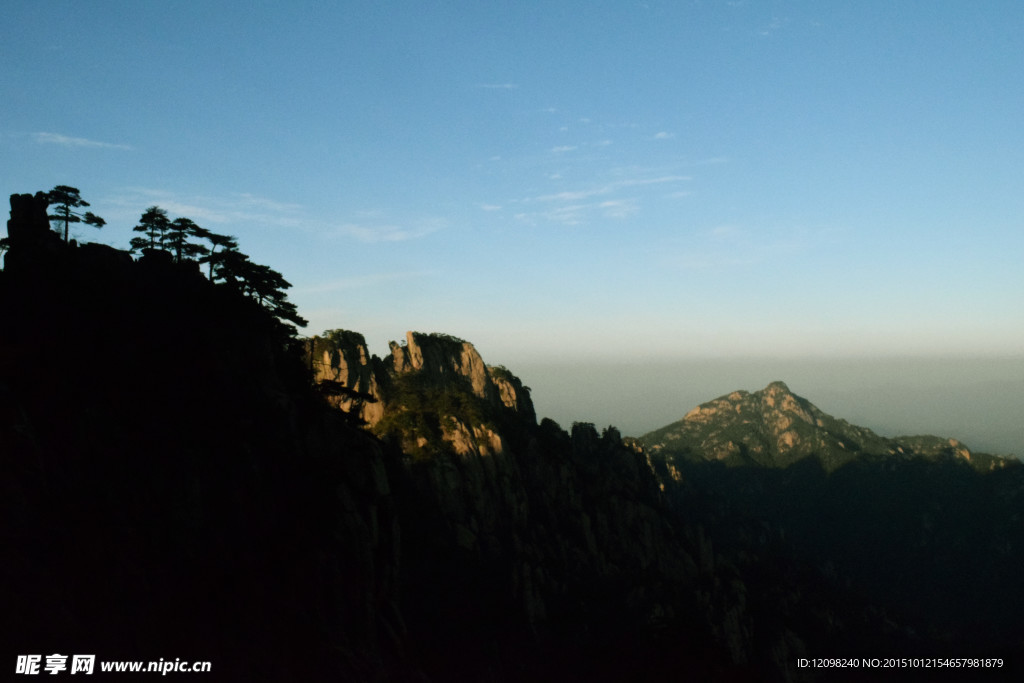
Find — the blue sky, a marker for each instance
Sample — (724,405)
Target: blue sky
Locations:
(560,180)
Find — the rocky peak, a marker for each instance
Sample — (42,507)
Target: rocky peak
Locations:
(774,427)
(33,244)
(440,360)
(342,357)
(440,357)
(781,406)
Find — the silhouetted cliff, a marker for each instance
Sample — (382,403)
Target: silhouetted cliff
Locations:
(172,486)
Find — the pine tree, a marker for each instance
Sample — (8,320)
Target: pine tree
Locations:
(177,239)
(67,199)
(262,283)
(214,257)
(155,225)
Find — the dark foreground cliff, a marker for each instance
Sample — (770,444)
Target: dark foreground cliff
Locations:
(182,478)
(173,488)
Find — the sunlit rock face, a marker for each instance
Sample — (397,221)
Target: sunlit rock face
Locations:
(774,427)
(439,357)
(342,356)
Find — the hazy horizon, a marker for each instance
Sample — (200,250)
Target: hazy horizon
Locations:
(975,400)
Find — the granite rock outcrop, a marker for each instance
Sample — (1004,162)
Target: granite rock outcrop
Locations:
(343,358)
(527,532)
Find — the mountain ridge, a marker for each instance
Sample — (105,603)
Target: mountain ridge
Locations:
(582,531)
(774,427)
(771,427)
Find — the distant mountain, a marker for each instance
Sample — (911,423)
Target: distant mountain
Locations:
(776,428)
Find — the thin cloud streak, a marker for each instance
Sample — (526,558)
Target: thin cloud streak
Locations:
(239,208)
(362,281)
(371,234)
(572,196)
(577,207)
(68,141)
(619,208)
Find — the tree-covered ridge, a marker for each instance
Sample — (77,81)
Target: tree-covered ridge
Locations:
(170,478)
(180,241)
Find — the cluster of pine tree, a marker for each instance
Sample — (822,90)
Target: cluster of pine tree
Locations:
(183,241)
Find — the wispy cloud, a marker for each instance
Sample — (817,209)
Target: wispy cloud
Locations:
(579,213)
(774,26)
(374,233)
(570,196)
(570,214)
(652,181)
(361,281)
(575,207)
(68,141)
(268,204)
(664,135)
(712,161)
(619,208)
(490,207)
(596,144)
(608,188)
(240,208)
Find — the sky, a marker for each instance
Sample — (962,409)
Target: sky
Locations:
(561,181)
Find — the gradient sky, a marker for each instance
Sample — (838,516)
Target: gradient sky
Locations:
(574,180)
